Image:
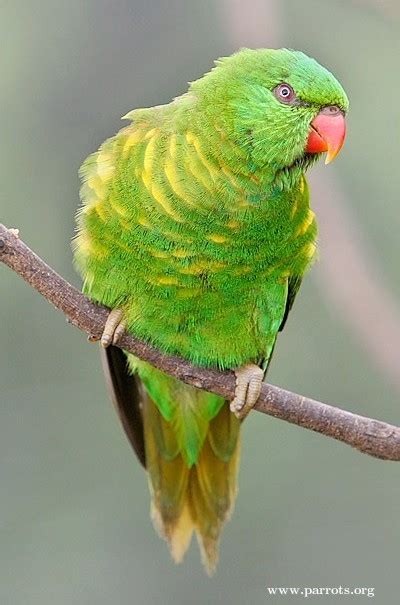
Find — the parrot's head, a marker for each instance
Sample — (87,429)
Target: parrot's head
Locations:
(281,105)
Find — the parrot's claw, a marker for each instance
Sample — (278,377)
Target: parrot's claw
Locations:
(248,386)
(114,328)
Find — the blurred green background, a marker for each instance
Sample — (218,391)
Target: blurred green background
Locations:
(74,523)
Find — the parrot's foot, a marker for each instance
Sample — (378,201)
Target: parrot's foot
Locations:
(114,328)
(248,386)
(15,232)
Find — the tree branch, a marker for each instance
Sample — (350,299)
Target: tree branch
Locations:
(368,435)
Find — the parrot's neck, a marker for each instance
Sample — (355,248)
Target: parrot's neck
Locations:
(255,184)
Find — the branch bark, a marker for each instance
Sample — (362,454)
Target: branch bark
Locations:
(367,435)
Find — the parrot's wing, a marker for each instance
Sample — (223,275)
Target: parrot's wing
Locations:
(294,284)
(125,392)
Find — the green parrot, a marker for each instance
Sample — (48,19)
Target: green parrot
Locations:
(195,229)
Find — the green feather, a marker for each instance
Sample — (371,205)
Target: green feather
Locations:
(188,409)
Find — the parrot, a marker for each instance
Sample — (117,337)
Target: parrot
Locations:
(195,230)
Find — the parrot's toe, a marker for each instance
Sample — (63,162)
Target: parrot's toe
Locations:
(248,386)
(114,328)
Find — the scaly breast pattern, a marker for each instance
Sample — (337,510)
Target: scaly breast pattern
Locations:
(195,250)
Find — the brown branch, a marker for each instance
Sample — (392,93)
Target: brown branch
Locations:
(369,436)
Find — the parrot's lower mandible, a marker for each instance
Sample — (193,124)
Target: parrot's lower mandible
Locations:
(196,230)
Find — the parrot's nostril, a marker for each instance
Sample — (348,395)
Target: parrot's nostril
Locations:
(331,110)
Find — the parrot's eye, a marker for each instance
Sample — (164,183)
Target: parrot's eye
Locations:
(284,93)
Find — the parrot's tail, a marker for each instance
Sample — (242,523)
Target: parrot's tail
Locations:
(191,495)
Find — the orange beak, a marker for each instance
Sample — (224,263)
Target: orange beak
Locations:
(327,133)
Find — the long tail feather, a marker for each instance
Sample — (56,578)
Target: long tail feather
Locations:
(188,440)
(197,498)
